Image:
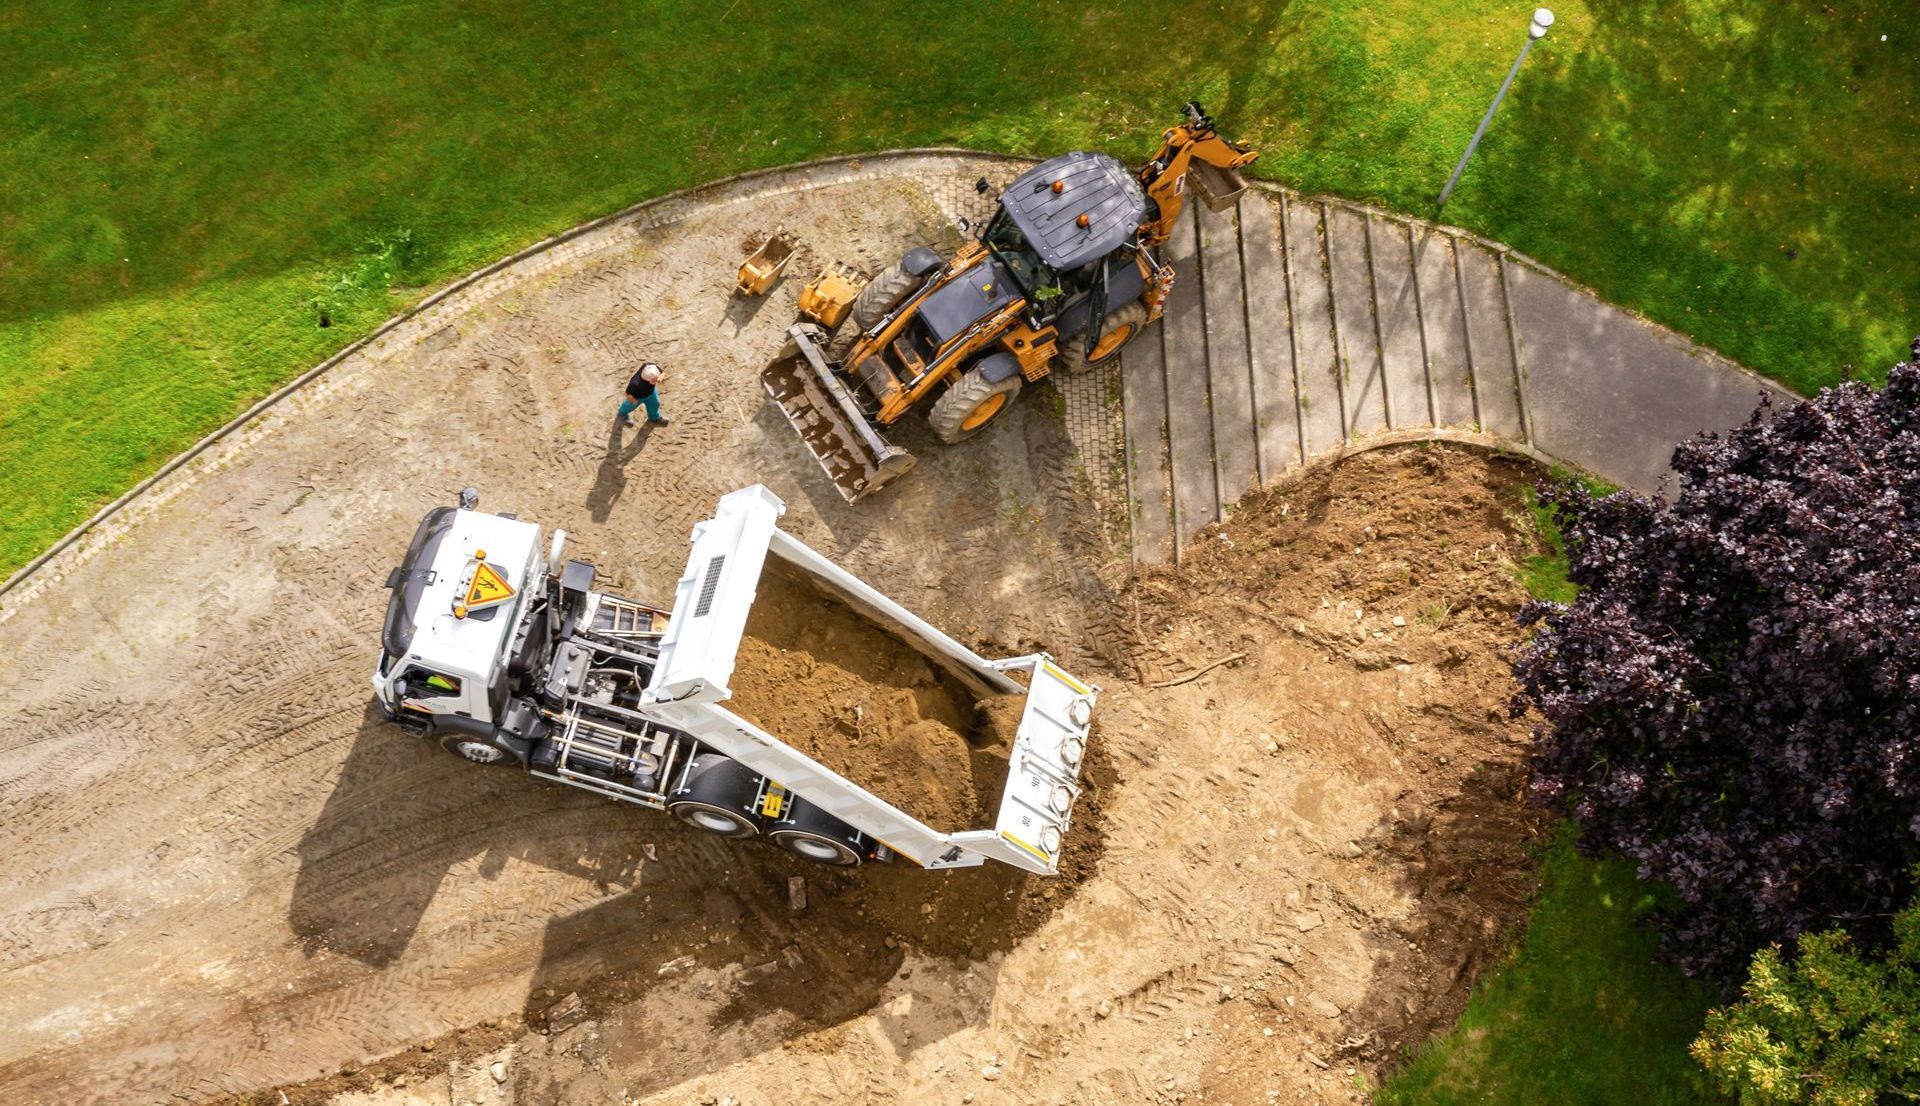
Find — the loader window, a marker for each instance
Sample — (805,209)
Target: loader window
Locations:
(1008,245)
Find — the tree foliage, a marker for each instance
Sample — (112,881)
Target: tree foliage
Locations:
(1733,700)
(1833,1028)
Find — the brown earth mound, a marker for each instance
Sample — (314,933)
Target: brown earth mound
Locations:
(1370,606)
(840,689)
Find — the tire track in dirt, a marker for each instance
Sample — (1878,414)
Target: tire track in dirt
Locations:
(235,811)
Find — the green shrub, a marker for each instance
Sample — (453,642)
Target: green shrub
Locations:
(1835,1027)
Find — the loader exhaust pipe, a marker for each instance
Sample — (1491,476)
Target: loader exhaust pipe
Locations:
(856,459)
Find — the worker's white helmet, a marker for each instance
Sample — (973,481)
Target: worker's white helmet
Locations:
(650,373)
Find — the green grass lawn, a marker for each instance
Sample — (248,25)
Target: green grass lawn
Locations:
(191,186)
(1579,1015)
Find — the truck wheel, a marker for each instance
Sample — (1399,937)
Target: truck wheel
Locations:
(881,295)
(475,748)
(1122,325)
(716,797)
(814,835)
(972,402)
(815,847)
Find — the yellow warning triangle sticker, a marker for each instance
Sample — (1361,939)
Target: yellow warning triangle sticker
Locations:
(488,587)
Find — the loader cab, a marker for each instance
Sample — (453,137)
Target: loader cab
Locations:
(1065,231)
(466,583)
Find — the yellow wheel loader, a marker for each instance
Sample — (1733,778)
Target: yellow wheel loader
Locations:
(1064,274)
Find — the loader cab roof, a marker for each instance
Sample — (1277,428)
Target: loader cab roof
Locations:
(1094,185)
(438,571)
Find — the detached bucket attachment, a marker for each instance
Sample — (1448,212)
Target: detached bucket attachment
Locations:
(764,265)
(1217,188)
(816,400)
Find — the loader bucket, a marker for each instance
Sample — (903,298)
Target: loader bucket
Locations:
(828,419)
(1217,188)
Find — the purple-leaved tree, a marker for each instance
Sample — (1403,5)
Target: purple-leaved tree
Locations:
(1733,701)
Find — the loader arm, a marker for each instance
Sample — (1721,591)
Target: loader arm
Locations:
(1192,146)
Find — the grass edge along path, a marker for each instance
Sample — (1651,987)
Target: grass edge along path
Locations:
(1580,1014)
(203,211)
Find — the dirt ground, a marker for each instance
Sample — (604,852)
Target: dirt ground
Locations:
(224,874)
(860,701)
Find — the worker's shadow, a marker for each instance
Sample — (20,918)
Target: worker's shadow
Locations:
(403,813)
(610,480)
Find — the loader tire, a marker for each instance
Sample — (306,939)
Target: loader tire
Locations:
(1122,325)
(972,402)
(881,295)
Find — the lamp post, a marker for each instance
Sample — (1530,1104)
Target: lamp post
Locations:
(1542,19)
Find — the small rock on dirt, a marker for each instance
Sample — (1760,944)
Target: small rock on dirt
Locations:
(1323,1006)
(568,1011)
(1307,921)
(1105,1009)
(498,1069)
(990,1072)
(797,892)
(675,966)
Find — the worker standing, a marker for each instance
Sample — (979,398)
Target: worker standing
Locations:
(644,388)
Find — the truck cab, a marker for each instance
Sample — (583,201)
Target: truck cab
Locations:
(463,598)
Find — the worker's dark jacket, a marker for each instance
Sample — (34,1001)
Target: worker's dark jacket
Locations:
(638,388)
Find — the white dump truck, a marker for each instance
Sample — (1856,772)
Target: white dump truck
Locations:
(504,653)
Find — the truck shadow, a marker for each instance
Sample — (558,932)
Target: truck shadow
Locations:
(710,942)
(411,845)
(403,814)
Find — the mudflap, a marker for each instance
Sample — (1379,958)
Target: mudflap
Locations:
(816,400)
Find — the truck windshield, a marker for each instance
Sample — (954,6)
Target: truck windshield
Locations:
(412,578)
(1012,250)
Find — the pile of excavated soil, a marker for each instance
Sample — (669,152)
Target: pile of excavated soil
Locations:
(840,689)
(1372,604)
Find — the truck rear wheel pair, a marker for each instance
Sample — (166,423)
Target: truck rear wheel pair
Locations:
(718,798)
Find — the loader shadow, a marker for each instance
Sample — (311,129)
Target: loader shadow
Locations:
(610,478)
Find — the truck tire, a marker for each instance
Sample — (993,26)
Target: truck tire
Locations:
(881,295)
(818,837)
(716,797)
(970,403)
(477,748)
(1122,325)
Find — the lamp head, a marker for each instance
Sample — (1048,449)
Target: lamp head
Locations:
(1542,19)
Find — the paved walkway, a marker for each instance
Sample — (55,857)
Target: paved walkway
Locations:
(1302,325)
(1298,326)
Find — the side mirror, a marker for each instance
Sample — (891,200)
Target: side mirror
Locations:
(394,578)
(469,498)
(401,690)
(981,186)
